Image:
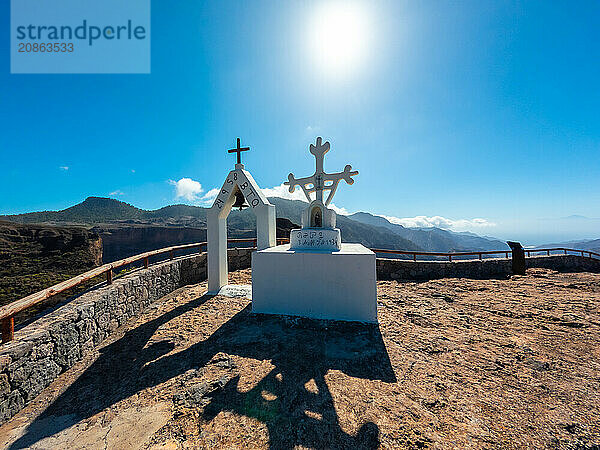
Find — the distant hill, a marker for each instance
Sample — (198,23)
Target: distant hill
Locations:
(97,211)
(433,239)
(365,228)
(593,245)
(92,210)
(178,211)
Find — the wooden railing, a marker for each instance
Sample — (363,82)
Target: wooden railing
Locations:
(451,255)
(440,254)
(564,251)
(7,312)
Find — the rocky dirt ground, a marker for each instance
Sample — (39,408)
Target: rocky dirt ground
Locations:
(454,363)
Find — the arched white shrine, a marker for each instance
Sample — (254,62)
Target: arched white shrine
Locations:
(238,180)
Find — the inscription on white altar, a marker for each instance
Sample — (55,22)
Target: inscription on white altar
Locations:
(315,239)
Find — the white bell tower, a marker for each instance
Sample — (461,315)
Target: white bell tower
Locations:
(238,181)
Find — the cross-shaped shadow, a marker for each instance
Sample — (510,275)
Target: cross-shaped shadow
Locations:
(301,350)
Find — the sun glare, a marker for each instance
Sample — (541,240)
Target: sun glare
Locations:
(339,36)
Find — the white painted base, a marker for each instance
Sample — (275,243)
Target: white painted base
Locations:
(338,285)
(316,239)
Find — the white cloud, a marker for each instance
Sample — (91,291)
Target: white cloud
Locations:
(210,196)
(116,193)
(312,128)
(187,189)
(192,191)
(441,222)
(282,191)
(341,211)
(132,170)
(65,168)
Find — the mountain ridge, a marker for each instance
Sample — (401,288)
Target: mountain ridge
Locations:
(368,229)
(434,239)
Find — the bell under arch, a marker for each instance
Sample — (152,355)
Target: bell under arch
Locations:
(238,180)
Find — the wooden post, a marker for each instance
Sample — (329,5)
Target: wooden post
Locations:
(449,257)
(548,252)
(528,254)
(8,329)
(414,256)
(565,251)
(171,254)
(146,262)
(581,252)
(109,275)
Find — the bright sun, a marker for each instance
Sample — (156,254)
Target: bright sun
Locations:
(339,36)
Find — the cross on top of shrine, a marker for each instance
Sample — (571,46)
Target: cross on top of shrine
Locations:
(318,181)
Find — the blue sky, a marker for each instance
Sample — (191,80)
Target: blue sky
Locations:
(455,110)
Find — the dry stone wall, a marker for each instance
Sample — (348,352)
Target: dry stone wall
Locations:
(397,269)
(52,344)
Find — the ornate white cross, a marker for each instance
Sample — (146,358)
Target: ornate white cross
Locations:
(320,177)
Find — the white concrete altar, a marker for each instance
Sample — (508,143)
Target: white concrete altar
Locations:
(338,285)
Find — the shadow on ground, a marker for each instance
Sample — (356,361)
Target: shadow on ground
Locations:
(300,349)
